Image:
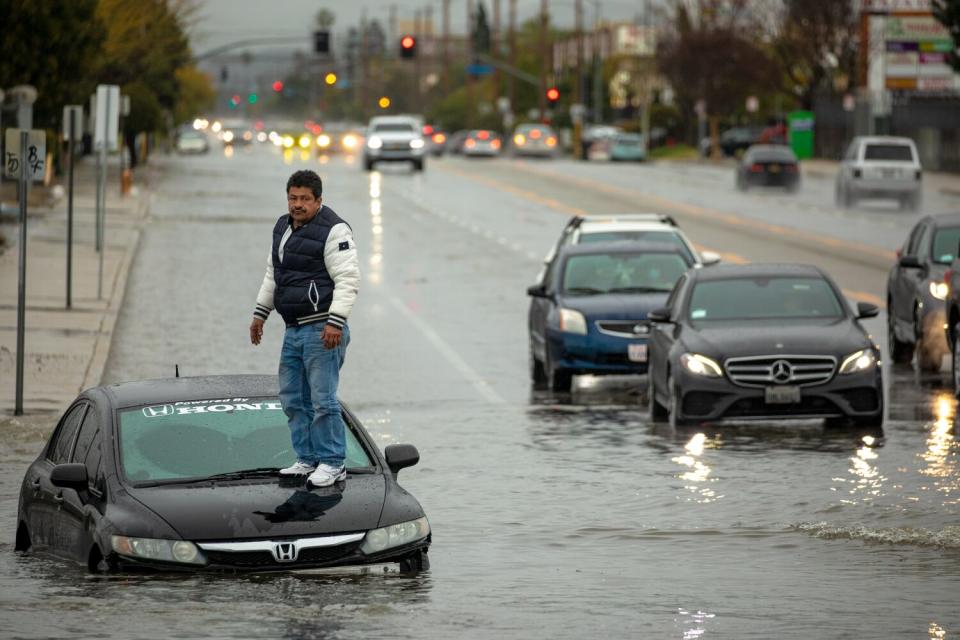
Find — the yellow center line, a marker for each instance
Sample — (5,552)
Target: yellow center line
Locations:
(732,258)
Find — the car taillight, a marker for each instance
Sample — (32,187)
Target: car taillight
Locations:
(535,134)
(470,144)
(439,138)
(756,168)
(948,276)
(484,135)
(551,142)
(519,139)
(495,144)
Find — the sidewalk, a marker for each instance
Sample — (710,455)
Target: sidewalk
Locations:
(66,350)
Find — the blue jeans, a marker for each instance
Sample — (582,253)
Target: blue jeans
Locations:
(309,374)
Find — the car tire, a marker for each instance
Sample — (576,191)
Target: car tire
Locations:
(418,166)
(416,561)
(900,352)
(368,165)
(928,359)
(673,410)
(538,374)
(558,380)
(657,412)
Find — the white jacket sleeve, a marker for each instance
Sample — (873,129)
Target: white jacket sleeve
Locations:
(343,265)
(265,296)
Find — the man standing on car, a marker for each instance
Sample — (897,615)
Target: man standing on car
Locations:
(312,279)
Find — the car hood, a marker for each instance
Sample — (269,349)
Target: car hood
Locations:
(273,508)
(722,340)
(615,306)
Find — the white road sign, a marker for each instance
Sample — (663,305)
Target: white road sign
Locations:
(107,118)
(76,112)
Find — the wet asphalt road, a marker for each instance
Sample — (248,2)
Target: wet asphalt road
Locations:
(553,516)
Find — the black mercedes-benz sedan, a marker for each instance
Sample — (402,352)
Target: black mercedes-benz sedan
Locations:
(762,342)
(182,474)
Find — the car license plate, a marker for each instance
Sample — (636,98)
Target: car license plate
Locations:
(637,352)
(774,168)
(782,395)
(890,173)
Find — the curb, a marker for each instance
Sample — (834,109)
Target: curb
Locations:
(101,349)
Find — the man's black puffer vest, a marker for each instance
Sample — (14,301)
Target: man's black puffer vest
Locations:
(304,289)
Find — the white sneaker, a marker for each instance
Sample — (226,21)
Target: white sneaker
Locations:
(325,475)
(297,469)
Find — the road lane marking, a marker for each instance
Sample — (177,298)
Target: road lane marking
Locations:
(449,354)
(727,256)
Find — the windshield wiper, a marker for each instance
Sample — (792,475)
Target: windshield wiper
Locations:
(583,291)
(259,472)
(639,290)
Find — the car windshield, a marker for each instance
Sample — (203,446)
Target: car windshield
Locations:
(895,152)
(181,440)
(637,236)
(945,244)
(622,273)
(394,127)
(764,297)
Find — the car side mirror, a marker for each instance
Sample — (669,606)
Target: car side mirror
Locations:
(709,258)
(538,291)
(659,315)
(910,262)
(71,475)
(867,310)
(401,456)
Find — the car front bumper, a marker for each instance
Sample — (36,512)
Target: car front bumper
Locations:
(856,395)
(595,353)
(391,155)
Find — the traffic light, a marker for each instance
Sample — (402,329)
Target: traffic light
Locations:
(278,85)
(408,47)
(331,78)
(321,42)
(252,98)
(553,95)
(384,102)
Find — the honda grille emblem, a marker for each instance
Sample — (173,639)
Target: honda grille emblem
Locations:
(285,552)
(781,371)
(158,411)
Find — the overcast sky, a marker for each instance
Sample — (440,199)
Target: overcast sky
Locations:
(222,21)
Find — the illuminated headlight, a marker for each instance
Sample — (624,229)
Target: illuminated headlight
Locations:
(700,365)
(287,141)
(519,139)
(416,143)
(374,142)
(349,141)
(939,290)
(228,136)
(304,141)
(323,141)
(395,535)
(153,549)
(573,322)
(862,360)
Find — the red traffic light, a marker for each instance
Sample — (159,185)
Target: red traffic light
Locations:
(408,42)
(278,86)
(553,94)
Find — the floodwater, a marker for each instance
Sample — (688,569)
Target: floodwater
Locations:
(553,516)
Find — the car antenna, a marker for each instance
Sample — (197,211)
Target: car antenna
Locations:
(176,370)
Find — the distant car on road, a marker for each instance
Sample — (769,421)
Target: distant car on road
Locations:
(394,139)
(766,165)
(762,342)
(192,142)
(628,147)
(481,143)
(589,313)
(182,475)
(732,142)
(880,167)
(537,140)
(629,227)
(916,293)
(596,133)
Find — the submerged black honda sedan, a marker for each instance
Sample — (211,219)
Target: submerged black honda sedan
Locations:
(763,341)
(182,474)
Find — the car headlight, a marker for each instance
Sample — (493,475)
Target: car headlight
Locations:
(416,143)
(701,365)
(573,322)
(862,360)
(939,290)
(181,551)
(349,141)
(323,141)
(374,142)
(396,535)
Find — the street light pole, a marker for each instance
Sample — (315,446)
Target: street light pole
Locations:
(544,24)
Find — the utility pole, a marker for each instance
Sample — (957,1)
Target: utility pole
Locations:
(578,84)
(544,25)
(512,37)
(495,46)
(445,46)
(470,43)
(364,59)
(597,63)
(393,24)
(417,67)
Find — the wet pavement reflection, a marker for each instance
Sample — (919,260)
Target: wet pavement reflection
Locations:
(553,515)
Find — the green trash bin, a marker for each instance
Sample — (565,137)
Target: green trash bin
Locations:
(800,133)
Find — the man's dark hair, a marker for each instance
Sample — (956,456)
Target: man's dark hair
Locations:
(306,178)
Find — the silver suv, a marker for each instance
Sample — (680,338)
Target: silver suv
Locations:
(394,139)
(880,167)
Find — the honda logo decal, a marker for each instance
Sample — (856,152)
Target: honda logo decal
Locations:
(158,411)
(285,551)
(781,371)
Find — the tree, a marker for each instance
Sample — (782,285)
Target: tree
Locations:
(481,31)
(195,93)
(816,46)
(53,46)
(947,12)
